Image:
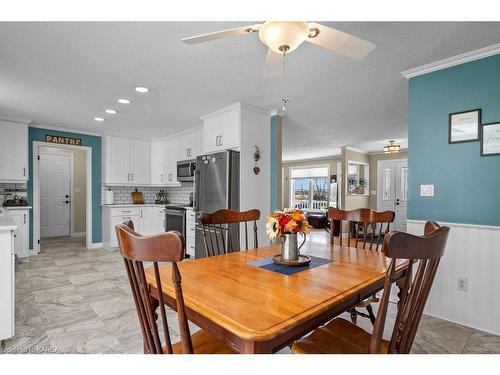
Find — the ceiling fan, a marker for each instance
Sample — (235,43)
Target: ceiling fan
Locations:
(282,37)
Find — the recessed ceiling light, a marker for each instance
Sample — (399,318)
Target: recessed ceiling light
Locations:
(111,111)
(98,119)
(141,89)
(124,101)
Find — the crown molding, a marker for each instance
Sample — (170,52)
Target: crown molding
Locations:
(68,130)
(349,148)
(14,119)
(452,61)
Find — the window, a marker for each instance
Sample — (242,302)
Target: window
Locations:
(310,187)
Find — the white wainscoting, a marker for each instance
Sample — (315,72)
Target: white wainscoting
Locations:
(473,252)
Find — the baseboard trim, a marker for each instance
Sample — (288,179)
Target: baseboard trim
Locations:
(96,245)
(79,234)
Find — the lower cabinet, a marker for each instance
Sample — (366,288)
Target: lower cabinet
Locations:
(7,283)
(21,234)
(148,219)
(190,232)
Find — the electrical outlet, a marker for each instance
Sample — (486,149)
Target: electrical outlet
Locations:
(462,284)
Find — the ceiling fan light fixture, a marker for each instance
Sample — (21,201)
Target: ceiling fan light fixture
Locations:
(392,147)
(283,36)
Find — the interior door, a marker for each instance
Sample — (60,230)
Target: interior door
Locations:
(392,190)
(54,195)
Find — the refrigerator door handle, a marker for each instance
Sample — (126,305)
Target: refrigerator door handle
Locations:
(196,189)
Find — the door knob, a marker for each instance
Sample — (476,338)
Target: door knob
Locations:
(66,196)
(66,202)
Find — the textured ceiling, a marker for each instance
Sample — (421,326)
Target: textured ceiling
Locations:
(64,74)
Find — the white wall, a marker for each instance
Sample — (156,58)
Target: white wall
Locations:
(255,190)
(473,252)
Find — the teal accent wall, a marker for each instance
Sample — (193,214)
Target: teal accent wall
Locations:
(38,134)
(466,185)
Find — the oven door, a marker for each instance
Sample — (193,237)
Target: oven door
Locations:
(175,220)
(185,170)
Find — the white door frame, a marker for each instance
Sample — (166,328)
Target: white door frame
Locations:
(71,188)
(36,191)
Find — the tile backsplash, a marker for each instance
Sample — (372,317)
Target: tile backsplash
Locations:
(123,194)
(8,190)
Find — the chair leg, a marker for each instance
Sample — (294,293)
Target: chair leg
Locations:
(354,316)
(371,314)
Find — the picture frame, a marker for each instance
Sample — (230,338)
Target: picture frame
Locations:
(464,126)
(490,139)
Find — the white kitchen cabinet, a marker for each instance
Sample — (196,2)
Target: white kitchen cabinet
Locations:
(13,152)
(148,219)
(158,220)
(21,234)
(190,232)
(158,162)
(190,144)
(140,161)
(116,160)
(172,156)
(113,216)
(7,269)
(221,130)
(126,161)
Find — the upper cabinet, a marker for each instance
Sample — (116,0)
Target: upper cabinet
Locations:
(164,157)
(126,161)
(222,129)
(190,144)
(13,152)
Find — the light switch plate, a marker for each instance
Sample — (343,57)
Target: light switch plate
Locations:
(426,190)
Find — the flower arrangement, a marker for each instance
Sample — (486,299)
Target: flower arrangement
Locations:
(280,223)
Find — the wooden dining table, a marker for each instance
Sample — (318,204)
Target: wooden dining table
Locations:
(256,310)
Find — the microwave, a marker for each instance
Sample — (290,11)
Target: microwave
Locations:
(186,170)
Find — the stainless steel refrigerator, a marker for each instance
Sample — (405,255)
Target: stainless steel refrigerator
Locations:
(217,186)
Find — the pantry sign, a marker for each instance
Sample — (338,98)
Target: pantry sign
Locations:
(63,140)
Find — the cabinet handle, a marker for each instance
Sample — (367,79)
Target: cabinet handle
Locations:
(141,214)
(161,177)
(126,217)
(132,176)
(217,140)
(220,136)
(24,171)
(128,176)
(24,218)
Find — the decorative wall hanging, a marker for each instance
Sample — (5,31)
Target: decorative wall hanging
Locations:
(464,126)
(490,139)
(256,157)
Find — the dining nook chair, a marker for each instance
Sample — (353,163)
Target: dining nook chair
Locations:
(340,336)
(166,248)
(366,229)
(221,230)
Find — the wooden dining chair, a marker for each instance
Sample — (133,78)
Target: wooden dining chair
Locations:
(366,228)
(167,247)
(340,336)
(221,230)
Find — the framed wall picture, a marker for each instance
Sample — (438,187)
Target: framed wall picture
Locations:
(464,126)
(490,139)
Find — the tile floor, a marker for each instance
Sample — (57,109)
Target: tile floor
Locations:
(73,300)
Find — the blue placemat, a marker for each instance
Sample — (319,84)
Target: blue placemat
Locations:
(268,264)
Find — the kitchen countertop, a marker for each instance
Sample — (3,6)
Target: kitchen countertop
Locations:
(133,205)
(18,207)
(6,222)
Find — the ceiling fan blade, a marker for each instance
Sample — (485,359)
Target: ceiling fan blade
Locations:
(340,42)
(222,34)
(273,66)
